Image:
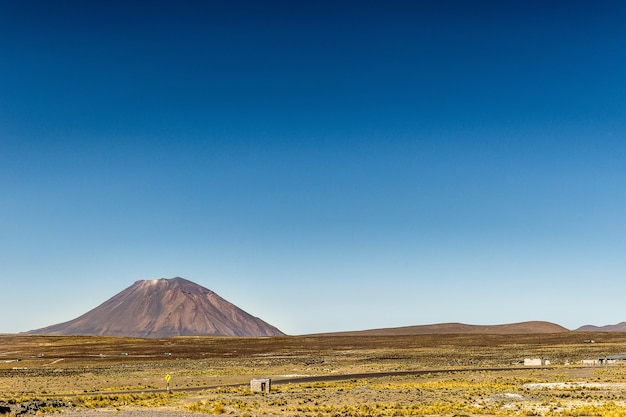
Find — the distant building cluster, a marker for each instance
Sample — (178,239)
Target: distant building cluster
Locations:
(605,360)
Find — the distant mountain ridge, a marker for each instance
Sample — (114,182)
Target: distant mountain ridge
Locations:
(178,307)
(164,308)
(619,327)
(526,327)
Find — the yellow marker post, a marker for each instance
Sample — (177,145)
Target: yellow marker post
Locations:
(167,379)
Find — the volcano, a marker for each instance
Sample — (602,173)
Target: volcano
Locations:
(164,308)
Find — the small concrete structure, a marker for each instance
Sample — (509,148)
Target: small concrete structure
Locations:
(590,362)
(536,362)
(261,385)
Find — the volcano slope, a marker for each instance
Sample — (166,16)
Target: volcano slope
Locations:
(164,308)
(95,372)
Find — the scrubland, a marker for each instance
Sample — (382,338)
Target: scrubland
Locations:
(315,376)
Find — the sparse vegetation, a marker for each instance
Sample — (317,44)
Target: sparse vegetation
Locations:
(210,375)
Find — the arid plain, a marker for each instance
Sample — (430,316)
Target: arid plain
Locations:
(341,375)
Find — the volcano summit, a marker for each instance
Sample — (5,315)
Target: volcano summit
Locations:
(164,308)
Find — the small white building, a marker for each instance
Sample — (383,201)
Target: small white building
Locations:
(536,362)
(261,385)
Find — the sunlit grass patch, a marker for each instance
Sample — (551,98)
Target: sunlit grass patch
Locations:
(120,400)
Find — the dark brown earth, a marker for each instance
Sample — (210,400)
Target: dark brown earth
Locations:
(164,308)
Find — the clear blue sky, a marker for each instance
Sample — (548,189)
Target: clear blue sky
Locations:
(324,165)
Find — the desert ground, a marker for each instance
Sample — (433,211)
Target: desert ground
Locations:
(316,376)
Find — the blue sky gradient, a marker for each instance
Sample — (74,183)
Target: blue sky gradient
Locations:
(323,165)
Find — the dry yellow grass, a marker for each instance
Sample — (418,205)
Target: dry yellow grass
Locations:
(112,373)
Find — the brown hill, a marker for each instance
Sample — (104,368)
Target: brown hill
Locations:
(528,327)
(619,327)
(164,308)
